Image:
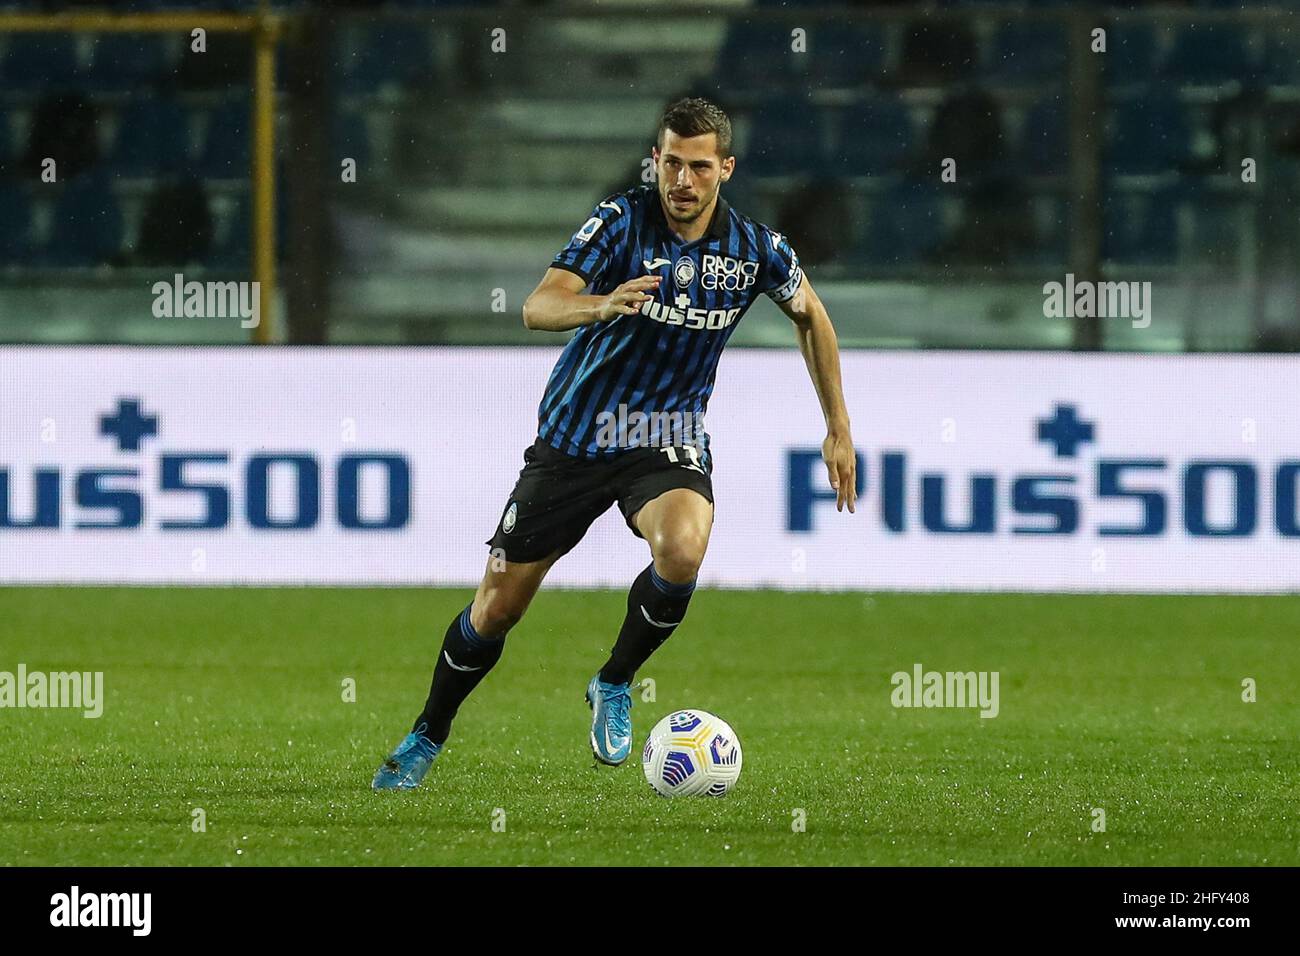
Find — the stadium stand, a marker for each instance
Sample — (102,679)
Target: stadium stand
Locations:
(475,166)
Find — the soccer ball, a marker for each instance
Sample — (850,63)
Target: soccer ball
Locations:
(690,753)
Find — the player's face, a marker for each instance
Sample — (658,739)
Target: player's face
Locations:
(690,172)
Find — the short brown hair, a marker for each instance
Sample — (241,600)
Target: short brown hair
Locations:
(694,116)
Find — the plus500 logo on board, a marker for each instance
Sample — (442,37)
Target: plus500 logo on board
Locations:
(111,497)
(1046,503)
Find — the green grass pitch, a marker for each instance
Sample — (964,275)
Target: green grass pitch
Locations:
(231,700)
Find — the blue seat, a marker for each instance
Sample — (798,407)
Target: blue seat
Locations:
(968,126)
(1149,134)
(385,55)
(1026,52)
(1282,58)
(755,56)
(846,53)
(15,244)
(233,242)
(1130,53)
(1208,54)
(350,138)
(6,138)
(127,61)
(1141,228)
(1051,233)
(37,61)
(232,246)
(1045,145)
(152,138)
(785,138)
(877,136)
(1216,224)
(904,225)
(87,224)
(227,147)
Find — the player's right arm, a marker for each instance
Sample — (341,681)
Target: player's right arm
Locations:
(557,304)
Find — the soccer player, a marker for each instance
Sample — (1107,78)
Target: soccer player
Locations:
(670,270)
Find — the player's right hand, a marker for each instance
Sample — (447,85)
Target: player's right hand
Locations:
(627,298)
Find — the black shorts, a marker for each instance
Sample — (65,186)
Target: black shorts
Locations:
(558,496)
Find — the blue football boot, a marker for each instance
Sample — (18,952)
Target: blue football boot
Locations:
(611,721)
(407,765)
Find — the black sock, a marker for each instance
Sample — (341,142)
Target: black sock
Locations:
(464,660)
(654,609)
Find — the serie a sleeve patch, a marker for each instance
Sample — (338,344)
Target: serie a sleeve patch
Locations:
(589,229)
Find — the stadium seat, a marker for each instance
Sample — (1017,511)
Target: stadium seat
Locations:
(386,55)
(876,137)
(152,137)
(232,220)
(755,56)
(64,127)
(176,224)
(786,138)
(1050,217)
(7,150)
(1141,228)
(1131,53)
(87,224)
(1282,58)
(846,54)
(1209,54)
(227,145)
(127,61)
(225,66)
(1148,134)
(350,137)
(1216,225)
(232,237)
(1028,52)
(15,237)
(936,53)
(1045,139)
(967,126)
(904,225)
(40,61)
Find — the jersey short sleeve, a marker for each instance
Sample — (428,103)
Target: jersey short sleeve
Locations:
(782,274)
(598,242)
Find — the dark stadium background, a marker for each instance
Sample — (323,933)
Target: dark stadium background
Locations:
(475,165)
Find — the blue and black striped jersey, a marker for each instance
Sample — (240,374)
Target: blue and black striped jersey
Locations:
(659,363)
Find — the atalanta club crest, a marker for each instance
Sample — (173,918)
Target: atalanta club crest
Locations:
(684,272)
(508,522)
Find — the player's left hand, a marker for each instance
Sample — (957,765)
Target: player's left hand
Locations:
(842,469)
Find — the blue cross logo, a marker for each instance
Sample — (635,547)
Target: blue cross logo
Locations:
(127,425)
(1065,431)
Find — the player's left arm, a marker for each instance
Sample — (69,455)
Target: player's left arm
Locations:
(821,353)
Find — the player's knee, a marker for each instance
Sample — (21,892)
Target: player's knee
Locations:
(496,612)
(678,556)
